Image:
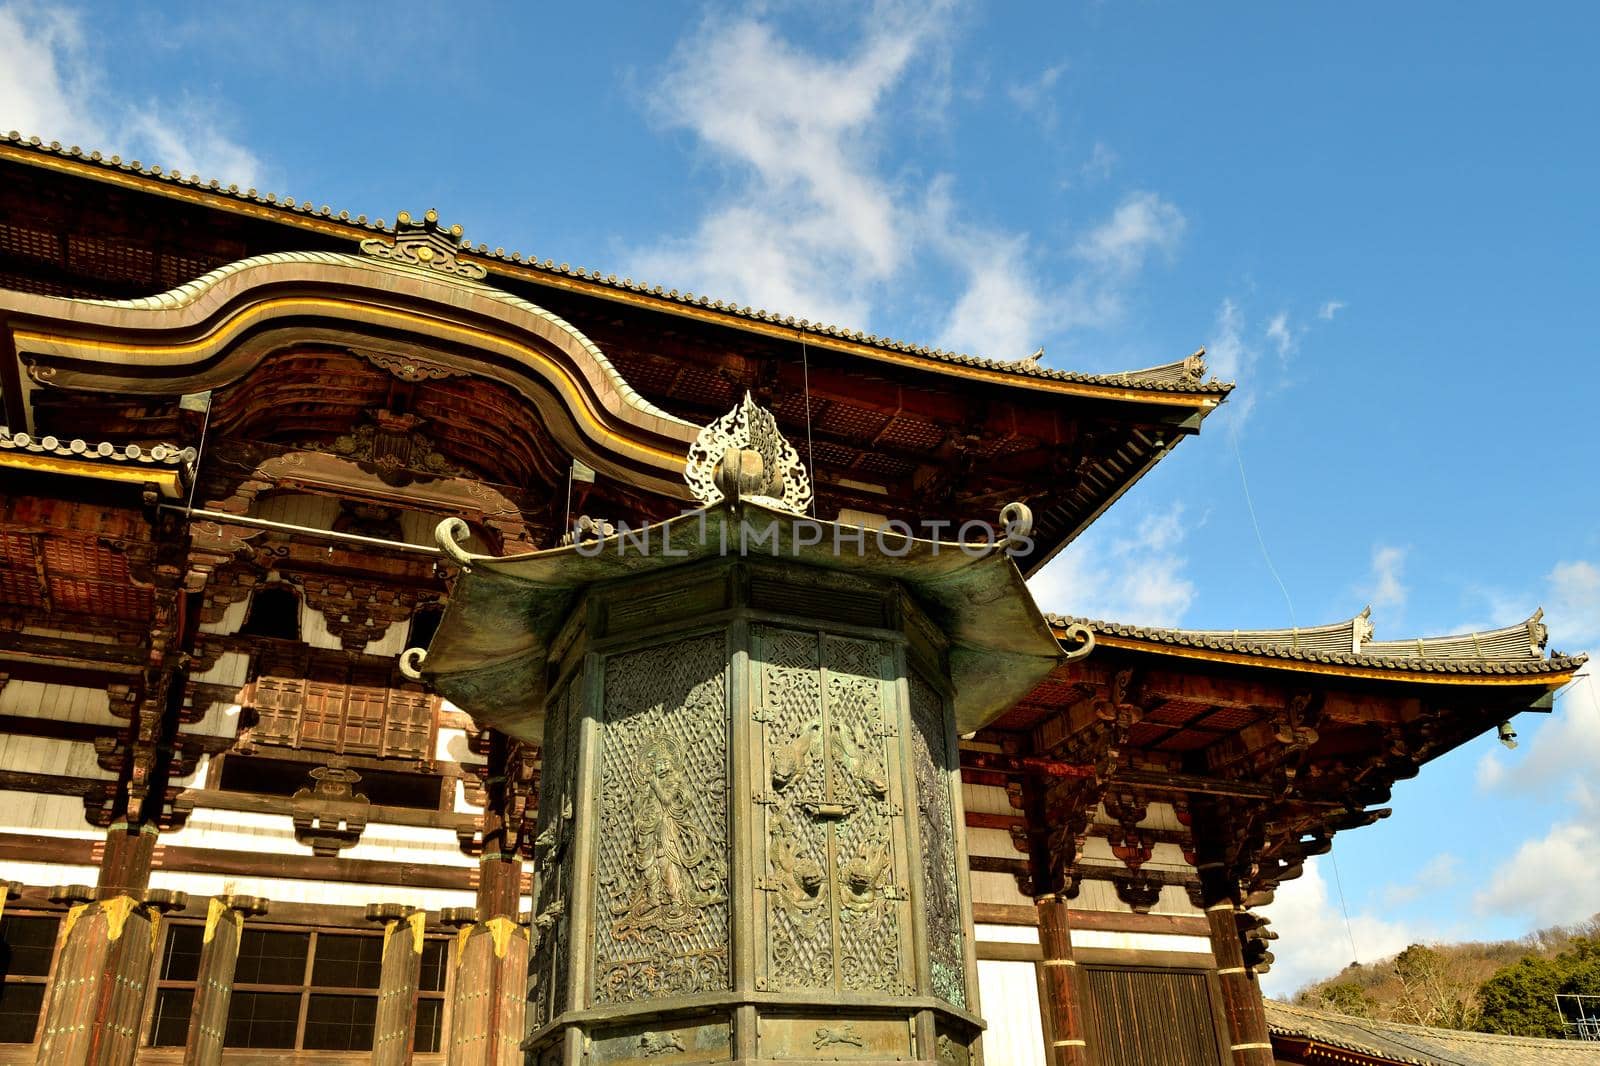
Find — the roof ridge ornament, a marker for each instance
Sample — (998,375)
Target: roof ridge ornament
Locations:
(742,456)
(425,244)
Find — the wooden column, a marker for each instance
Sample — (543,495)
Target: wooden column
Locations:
(488,1008)
(213,986)
(125,868)
(489,1004)
(1250,1043)
(96,999)
(1063,988)
(396,1024)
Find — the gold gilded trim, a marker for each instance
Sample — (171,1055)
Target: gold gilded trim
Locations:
(566,384)
(165,480)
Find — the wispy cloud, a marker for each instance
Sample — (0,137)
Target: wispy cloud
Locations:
(1281,335)
(1329,309)
(1006,310)
(1134,573)
(1102,160)
(1572,592)
(814,223)
(1035,95)
(1441,869)
(1386,590)
(50,85)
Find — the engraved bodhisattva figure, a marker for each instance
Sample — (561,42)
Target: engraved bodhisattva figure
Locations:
(676,872)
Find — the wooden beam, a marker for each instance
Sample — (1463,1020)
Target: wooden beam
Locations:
(217,799)
(21,847)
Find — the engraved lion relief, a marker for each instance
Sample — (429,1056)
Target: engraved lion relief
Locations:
(676,871)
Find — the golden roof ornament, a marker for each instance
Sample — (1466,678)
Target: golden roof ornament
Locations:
(742,456)
(425,244)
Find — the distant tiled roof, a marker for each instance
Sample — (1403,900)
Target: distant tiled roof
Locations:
(1417,1045)
(1514,649)
(1185,375)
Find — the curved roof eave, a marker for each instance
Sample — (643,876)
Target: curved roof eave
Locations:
(1172,384)
(1270,649)
(191,337)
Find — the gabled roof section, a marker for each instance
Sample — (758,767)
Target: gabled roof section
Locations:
(1415,1045)
(1512,651)
(1182,381)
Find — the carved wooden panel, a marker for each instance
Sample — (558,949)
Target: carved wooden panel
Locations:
(661,893)
(935,830)
(832,867)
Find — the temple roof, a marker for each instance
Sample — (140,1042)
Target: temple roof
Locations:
(1414,1045)
(1517,649)
(164,465)
(1180,376)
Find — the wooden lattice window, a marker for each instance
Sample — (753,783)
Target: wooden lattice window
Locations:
(348,718)
(296,989)
(27,959)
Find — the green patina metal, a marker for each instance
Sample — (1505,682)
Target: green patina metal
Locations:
(750,835)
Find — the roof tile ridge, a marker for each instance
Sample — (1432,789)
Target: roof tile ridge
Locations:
(483,251)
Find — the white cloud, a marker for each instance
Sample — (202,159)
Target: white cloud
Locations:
(1133,576)
(1565,749)
(811,223)
(1329,309)
(50,86)
(1102,159)
(1313,940)
(1143,223)
(1573,606)
(1035,95)
(1281,336)
(1549,878)
(1387,591)
(1441,869)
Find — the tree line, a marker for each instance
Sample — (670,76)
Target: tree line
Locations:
(1507,986)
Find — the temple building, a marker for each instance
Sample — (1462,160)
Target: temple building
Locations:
(414,651)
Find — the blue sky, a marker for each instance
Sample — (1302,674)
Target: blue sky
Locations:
(1379,219)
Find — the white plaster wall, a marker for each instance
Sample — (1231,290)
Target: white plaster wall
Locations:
(1006,934)
(40,755)
(291,890)
(1105,938)
(997,888)
(231,668)
(987,799)
(220,720)
(47,816)
(1008,992)
(232,619)
(66,703)
(995,843)
(48,874)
